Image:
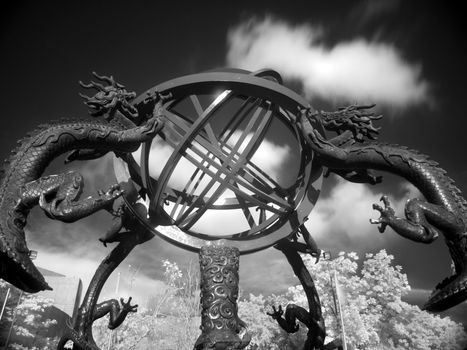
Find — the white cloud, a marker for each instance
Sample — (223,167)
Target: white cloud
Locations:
(269,156)
(257,277)
(67,264)
(341,220)
(84,267)
(356,70)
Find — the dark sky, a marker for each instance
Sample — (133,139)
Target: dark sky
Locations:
(46,47)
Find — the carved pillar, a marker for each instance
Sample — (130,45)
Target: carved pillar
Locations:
(221,328)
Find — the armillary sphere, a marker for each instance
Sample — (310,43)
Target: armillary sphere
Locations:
(208,176)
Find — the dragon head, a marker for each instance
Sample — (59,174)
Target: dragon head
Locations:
(109,98)
(356,119)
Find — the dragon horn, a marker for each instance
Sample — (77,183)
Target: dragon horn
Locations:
(365,106)
(97,86)
(109,80)
(86,86)
(92,85)
(84,96)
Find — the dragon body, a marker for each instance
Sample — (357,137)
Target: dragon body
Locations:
(312,318)
(22,187)
(80,332)
(117,312)
(442,212)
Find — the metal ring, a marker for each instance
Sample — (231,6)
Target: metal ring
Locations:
(285,216)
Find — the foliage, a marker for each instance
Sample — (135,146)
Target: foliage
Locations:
(262,327)
(25,324)
(170,319)
(371,291)
(424,331)
(375,317)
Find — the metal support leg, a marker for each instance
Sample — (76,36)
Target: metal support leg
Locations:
(221,328)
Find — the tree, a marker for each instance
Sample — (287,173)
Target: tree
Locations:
(374,314)
(170,319)
(262,328)
(375,317)
(25,322)
(424,331)
(129,336)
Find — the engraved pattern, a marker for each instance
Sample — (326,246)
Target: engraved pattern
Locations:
(219,282)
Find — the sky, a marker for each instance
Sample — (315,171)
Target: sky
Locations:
(407,57)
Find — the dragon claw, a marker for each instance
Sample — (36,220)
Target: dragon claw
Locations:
(127,307)
(113,191)
(382,224)
(116,194)
(103,241)
(382,227)
(115,186)
(385,200)
(386,214)
(377,207)
(276,313)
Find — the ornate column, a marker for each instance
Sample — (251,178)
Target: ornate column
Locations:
(221,328)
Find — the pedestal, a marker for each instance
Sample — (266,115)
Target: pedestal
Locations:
(221,328)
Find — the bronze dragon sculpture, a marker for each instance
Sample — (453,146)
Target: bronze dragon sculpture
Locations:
(442,212)
(312,318)
(122,128)
(22,187)
(80,331)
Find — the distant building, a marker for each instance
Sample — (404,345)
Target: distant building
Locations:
(66,291)
(65,296)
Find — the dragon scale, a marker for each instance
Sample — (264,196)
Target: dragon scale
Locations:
(27,163)
(442,212)
(415,167)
